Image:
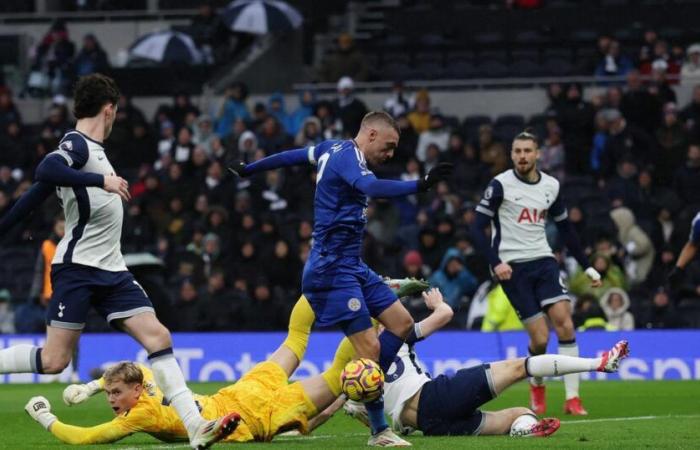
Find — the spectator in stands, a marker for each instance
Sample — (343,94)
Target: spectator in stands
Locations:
(613,97)
(646,51)
(91,58)
(552,152)
(222,306)
(310,133)
(419,117)
(453,279)
(611,276)
(7,315)
(8,111)
(398,102)
(413,267)
(615,304)
(307,103)
(690,115)
(182,110)
(436,134)
(53,57)
(266,310)
(639,251)
(660,87)
(271,137)
(613,63)
(14,148)
(276,107)
(690,72)
(661,313)
(204,134)
(283,267)
(686,181)
(661,53)
(638,105)
(57,124)
(190,312)
(589,315)
(181,151)
(470,175)
(492,152)
(41,284)
(232,108)
(625,142)
(600,138)
(500,314)
(347,61)
(575,116)
(209,33)
(349,109)
(673,142)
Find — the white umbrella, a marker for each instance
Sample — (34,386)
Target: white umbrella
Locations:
(261,16)
(166,47)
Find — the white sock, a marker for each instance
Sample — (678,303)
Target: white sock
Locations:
(571,381)
(19,359)
(171,382)
(534,381)
(555,365)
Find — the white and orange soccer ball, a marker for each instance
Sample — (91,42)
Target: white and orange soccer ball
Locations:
(362,380)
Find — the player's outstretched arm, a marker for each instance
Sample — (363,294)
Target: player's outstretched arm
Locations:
(374,187)
(75,394)
(287,158)
(39,409)
(55,169)
(26,203)
(440,316)
(327,413)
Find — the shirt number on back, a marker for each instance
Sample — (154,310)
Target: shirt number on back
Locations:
(322,165)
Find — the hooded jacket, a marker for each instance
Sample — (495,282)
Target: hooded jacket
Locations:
(453,287)
(640,250)
(621,319)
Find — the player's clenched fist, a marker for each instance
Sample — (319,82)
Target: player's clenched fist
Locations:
(39,409)
(76,394)
(503,271)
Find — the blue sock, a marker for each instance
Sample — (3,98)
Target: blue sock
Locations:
(375,411)
(389,347)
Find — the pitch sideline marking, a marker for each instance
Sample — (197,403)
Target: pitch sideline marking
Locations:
(627,419)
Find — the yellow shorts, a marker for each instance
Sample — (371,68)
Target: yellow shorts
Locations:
(266,402)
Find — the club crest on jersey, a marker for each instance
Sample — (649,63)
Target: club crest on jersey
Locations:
(67,145)
(532,215)
(354,304)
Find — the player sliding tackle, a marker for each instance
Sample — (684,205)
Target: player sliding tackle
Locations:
(339,286)
(448,405)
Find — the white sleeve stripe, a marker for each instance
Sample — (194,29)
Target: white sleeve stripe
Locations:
(418,330)
(310,154)
(483,210)
(65,155)
(561,216)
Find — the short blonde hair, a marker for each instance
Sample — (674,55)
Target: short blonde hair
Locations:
(125,371)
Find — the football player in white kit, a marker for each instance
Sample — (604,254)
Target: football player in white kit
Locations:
(448,404)
(516,205)
(690,249)
(88,268)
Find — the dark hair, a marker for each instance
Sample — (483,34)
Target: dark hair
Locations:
(91,93)
(528,134)
(380,116)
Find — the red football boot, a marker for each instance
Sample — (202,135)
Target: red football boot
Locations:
(545,427)
(538,404)
(574,407)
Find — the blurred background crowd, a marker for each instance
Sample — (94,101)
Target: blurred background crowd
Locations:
(216,252)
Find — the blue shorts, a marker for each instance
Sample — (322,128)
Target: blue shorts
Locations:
(448,405)
(115,295)
(343,291)
(533,286)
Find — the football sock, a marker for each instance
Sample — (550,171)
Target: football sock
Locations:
(534,380)
(343,355)
(170,380)
(556,365)
(21,359)
(571,381)
(389,347)
(375,411)
(300,322)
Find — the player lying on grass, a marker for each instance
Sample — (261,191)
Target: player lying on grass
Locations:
(266,403)
(448,405)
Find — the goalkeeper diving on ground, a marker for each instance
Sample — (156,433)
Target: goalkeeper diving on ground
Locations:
(267,405)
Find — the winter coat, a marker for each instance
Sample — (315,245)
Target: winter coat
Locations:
(621,319)
(453,287)
(640,250)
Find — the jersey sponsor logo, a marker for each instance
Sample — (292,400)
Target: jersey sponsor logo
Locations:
(60,309)
(354,304)
(532,216)
(395,371)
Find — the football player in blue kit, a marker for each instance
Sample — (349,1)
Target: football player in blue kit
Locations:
(516,205)
(88,269)
(339,286)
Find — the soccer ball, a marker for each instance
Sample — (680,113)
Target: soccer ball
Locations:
(362,380)
(522,426)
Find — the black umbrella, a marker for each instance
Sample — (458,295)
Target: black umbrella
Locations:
(261,16)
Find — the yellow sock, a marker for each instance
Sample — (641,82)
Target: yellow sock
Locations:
(343,355)
(300,322)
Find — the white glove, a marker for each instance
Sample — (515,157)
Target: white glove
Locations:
(40,410)
(593,274)
(78,393)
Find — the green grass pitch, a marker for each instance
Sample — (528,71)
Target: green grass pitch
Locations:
(639,414)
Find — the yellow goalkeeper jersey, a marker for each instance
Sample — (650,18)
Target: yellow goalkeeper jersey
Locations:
(266,403)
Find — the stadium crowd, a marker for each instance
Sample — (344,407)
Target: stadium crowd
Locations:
(233,248)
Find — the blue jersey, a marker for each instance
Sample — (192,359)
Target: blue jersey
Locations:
(340,210)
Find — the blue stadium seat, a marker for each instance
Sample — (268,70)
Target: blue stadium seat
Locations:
(489,38)
(529,54)
(562,53)
(491,69)
(454,55)
(557,67)
(459,69)
(396,57)
(584,36)
(493,55)
(529,37)
(510,119)
(434,57)
(429,71)
(525,68)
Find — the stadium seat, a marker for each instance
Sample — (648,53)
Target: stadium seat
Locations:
(525,68)
(557,67)
(510,119)
(471,124)
(454,55)
(584,36)
(529,54)
(434,57)
(494,55)
(395,70)
(429,71)
(459,69)
(506,132)
(393,41)
(491,69)
(489,38)
(529,37)
(396,57)
(431,40)
(562,53)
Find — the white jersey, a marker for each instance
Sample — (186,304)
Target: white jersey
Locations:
(93,215)
(403,379)
(518,210)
